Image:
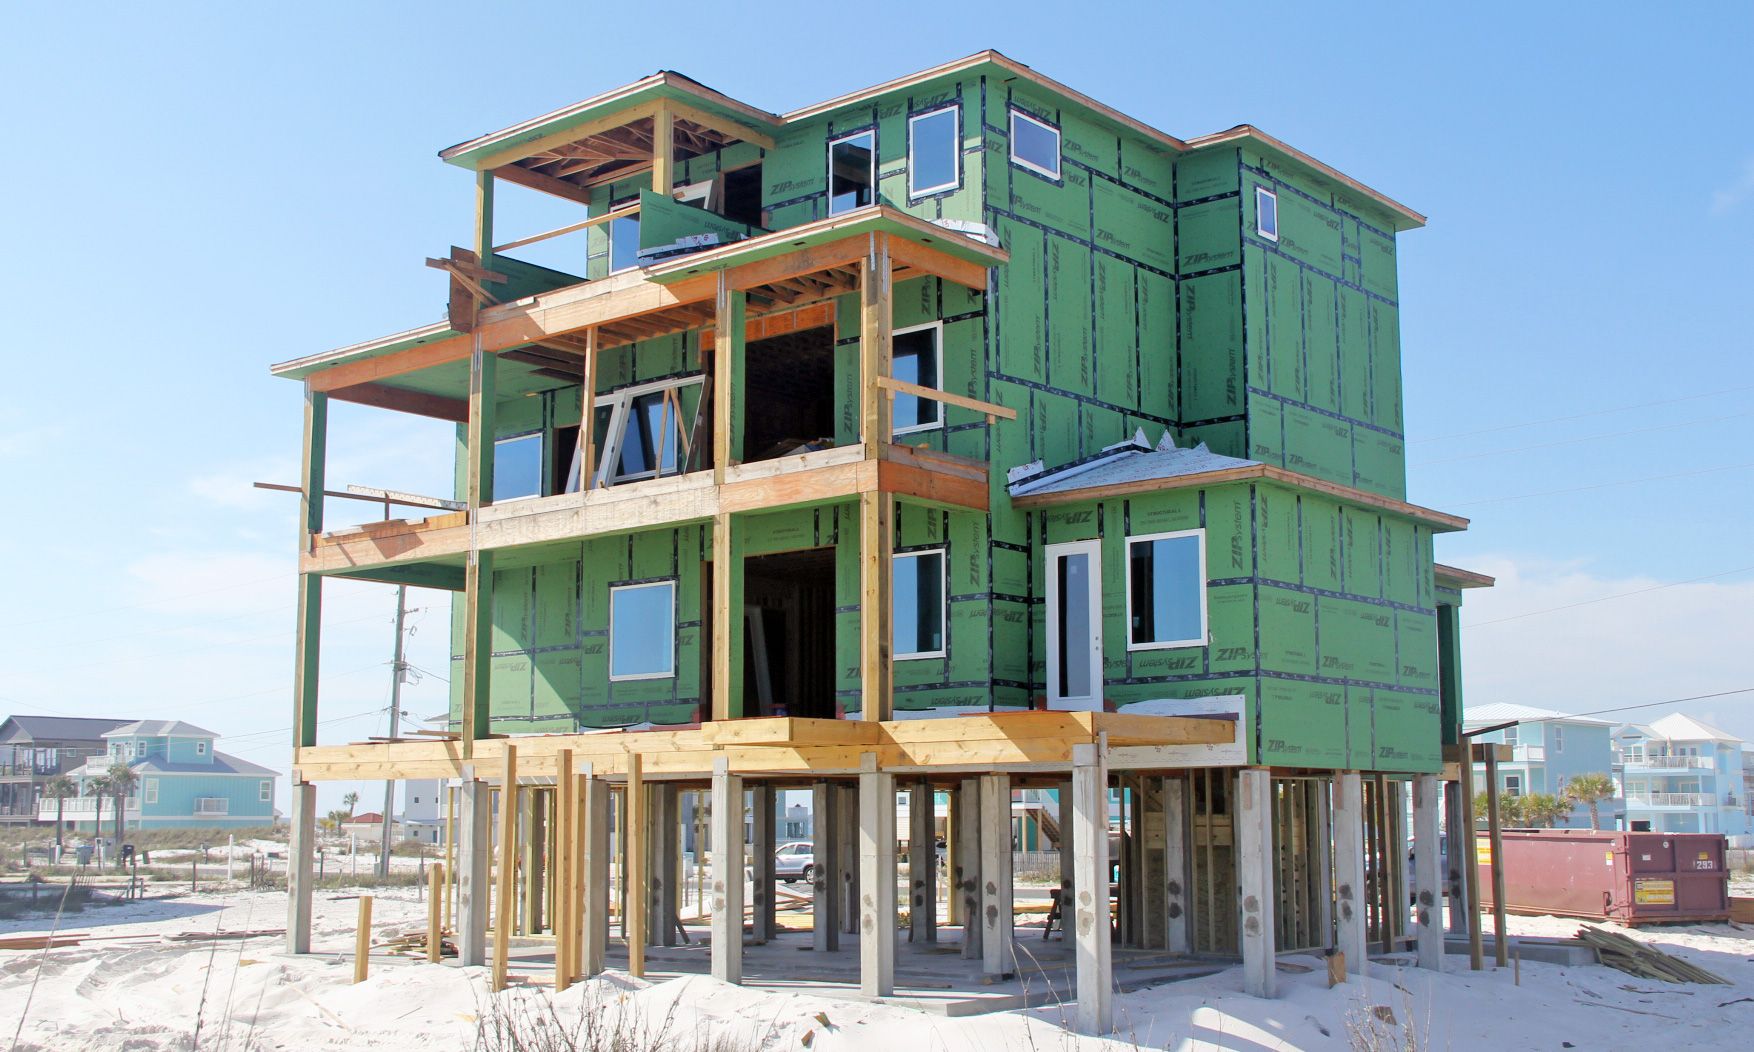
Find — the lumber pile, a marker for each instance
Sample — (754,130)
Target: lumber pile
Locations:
(1647,962)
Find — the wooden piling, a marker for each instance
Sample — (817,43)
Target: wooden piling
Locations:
(505,903)
(435,893)
(362,940)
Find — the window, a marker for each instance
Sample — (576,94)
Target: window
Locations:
(1035,144)
(149,790)
(932,151)
(1558,738)
(642,627)
(919,605)
(517,467)
(1266,213)
(1166,590)
(1510,737)
(916,359)
(623,238)
(852,172)
(200,748)
(212,805)
(1513,784)
(644,431)
(265,792)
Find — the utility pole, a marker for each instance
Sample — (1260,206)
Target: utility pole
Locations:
(397,669)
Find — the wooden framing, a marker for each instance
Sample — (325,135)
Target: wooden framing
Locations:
(506,883)
(633,850)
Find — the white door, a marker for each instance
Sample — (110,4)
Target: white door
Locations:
(1074,572)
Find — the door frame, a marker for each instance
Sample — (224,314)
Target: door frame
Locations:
(1052,553)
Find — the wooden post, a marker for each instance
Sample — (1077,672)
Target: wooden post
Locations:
(478,565)
(922,863)
(484,219)
(1350,908)
(876,346)
(1175,864)
(1254,865)
(952,901)
(1468,847)
(508,860)
(825,870)
(877,879)
(663,149)
(633,837)
(727,642)
(1500,938)
(565,923)
(967,890)
(362,940)
(531,836)
(1154,876)
(762,845)
(450,848)
(588,412)
(730,307)
(475,865)
(663,864)
(876,567)
(435,893)
(998,949)
(594,909)
(301,853)
(308,628)
(727,872)
(1088,927)
(1427,875)
(1321,858)
(1068,869)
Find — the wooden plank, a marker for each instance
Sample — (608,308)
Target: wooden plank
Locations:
(729,334)
(308,630)
(723,125)
(933,394)
(587,414)
(791,731)
(923,258)
(634,852)
(484,218)
(565,922)
(663,147)
(477,650)
(876,542)
(435,899)
(618,213)
(594,904)
(507,882)
(418,403)
(362,940)
(723,623)
(548,184)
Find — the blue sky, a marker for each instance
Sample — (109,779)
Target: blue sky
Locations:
(195,193)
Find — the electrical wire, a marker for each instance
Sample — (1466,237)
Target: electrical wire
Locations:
(1630,708)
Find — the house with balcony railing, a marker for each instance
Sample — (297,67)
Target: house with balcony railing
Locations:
(1549,748)
(1682,775)
(35,749)
(180,780)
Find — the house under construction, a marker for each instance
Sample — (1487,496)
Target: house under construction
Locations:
(961,434)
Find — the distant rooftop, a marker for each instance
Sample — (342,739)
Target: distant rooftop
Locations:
(1677,727)
(59,728)
(159,729)
(1506,711)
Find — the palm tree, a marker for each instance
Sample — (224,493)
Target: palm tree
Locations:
(1590,789)
(122,780)
(351,800)
(58,789)
(1544,809)
(97,788)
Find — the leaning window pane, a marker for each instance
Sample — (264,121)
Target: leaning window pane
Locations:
(932,152)
(640,630)
(623,243)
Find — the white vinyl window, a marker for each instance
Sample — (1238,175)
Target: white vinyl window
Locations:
(1035,144)
(642,631)
(852,171)
(265,792)
(645,434)
(920,607)
(917,357)
(200,748)
(149,790)
(1513,785)
(1166,590)
(1266,213)
(934,143)
(1558,737)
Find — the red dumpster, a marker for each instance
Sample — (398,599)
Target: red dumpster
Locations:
(1633,878)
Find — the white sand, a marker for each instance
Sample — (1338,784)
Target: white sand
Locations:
(145,993)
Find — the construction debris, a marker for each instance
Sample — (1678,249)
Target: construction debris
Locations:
(1647,962)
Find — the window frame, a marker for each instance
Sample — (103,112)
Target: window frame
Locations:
(1205,639)
(937,423)
(916,193)
(942,551)
(200,747)
(828,159)
(149,790)
(609,234)
(1262,193)
(620,405)
(541,438)
(1022,162)
(669,583)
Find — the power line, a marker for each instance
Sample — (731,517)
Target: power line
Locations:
(1619,708)
(1582,416)
(1606,598)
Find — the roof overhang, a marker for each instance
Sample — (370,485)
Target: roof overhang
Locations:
(1456,577)
(1439,522)
(1404,218)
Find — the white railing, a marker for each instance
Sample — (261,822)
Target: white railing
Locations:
(81,807)
(1674,761)
(1531,753)
(1672,800)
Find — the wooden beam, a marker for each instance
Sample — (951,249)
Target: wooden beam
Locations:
(574,133)
(548,184)
(729,333)
(508,844)
(875,569)
(484,219)
(876,346)
(663,148)
(723,125)
(919,257)
(419,403)
(634,850)
(435,899)
(725,627)
(791,732)
(606,217)
(891,384)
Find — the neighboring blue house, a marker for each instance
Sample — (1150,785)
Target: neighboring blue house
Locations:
(1680,775)
(181,781)
(1550,749)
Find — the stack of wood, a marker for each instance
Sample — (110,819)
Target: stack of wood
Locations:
(1647,962)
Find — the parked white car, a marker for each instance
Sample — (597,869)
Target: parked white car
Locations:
(794,861)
